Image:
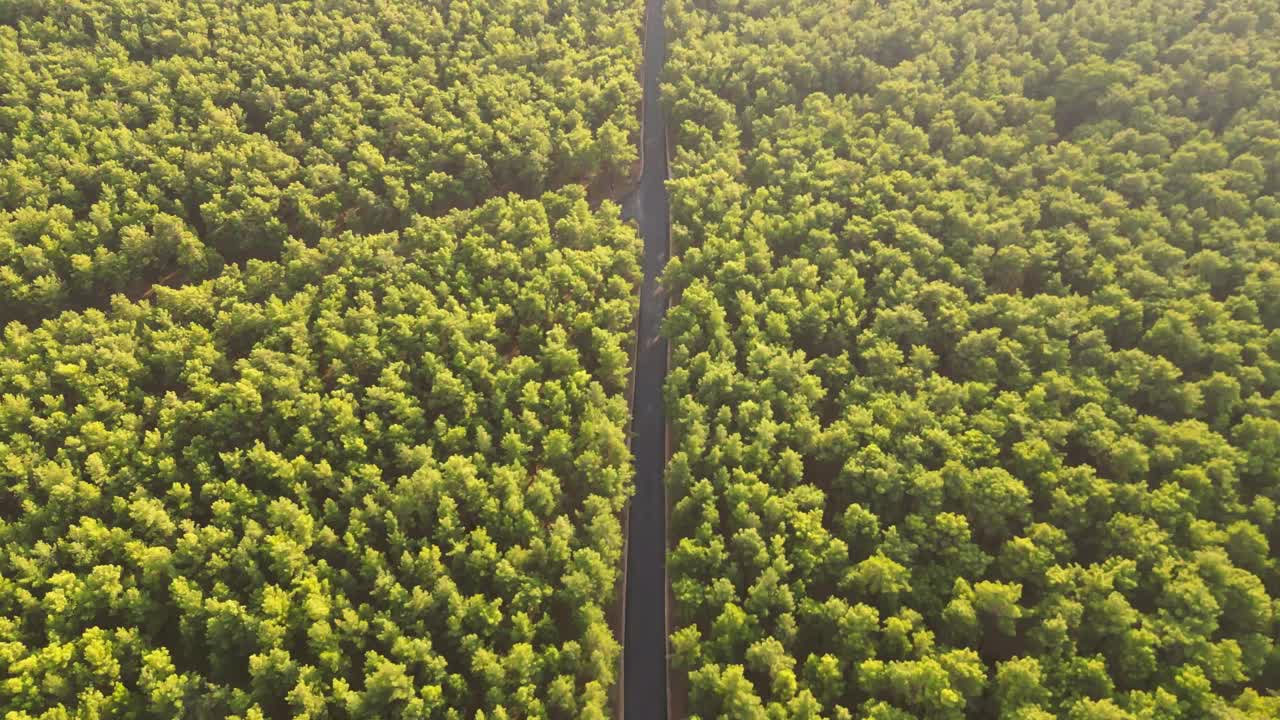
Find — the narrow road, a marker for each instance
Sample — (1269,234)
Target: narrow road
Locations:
(645,636)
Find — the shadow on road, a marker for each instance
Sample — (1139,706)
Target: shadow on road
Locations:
(645,633)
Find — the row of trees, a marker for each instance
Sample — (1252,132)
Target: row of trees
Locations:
(380,477)
(975,379)
(156,141)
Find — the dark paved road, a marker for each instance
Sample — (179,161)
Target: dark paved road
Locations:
(644,641)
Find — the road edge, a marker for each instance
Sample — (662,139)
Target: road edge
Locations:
(626,199)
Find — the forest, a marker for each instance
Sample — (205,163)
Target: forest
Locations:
(318,318)
(316,344)
(975,358)
(157,140)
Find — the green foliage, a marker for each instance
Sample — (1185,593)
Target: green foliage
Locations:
(380,477)
(154,141)
(316,340)
(975,383)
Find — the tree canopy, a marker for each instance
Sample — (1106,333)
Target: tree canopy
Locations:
(316,342)
(975,358)
(380,477)
(161,140)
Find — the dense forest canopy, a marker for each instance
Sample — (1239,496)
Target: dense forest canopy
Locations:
(378,478)
(142,141)
(976,358)
(315,353)
(316,336)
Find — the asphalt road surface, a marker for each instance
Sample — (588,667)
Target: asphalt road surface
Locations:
(644,641)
